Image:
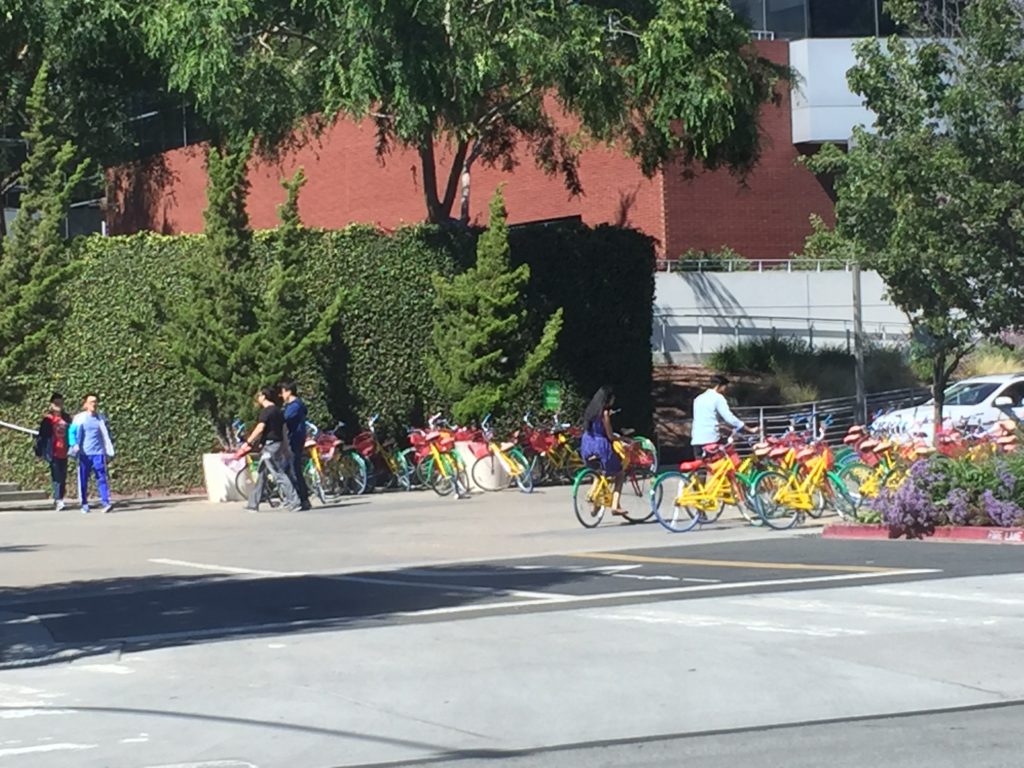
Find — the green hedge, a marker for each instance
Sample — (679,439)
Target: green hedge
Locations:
(110,340)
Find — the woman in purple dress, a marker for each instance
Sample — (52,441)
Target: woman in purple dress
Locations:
(597,441)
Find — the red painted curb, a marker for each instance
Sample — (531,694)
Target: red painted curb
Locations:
(951,533)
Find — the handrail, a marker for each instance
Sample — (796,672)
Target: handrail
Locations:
(751,265)
(732,322)
(16,428)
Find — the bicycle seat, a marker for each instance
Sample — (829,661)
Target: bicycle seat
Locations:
(593,461)
(924,450)
(870,444)
(691,466)
(778,453)
(627,432)
(1007,440)
(853,438)
(882,447)
(805,453)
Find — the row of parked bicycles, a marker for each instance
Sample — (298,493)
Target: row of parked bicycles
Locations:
(533,455)
(780,481)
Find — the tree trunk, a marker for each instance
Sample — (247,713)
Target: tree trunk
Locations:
(940,376)
(439,210)
(466,179)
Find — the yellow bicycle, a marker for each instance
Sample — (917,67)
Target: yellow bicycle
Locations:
(784,499)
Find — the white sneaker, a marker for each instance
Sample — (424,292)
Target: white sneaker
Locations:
(107,508)
(85,509)
(60,505)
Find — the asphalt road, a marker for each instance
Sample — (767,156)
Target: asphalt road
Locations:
(196,637)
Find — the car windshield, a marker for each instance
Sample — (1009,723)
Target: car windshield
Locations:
(966,393)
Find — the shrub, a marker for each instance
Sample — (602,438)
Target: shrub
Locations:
(991,358)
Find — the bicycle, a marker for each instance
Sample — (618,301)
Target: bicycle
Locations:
(441,466)
(499,465)
(633,499)
(343,469)
(555,456)
(783,499)
(703,488)
(388,468)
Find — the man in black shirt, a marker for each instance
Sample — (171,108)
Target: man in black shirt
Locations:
(274,456)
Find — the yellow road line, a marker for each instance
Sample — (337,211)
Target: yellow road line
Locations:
(733,563)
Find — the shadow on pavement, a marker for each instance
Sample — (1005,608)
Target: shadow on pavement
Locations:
(87,618)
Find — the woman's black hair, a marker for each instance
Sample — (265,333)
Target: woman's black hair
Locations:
(601,399)
(270,393)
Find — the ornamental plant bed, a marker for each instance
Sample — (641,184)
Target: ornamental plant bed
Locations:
(946,533)
(983,492)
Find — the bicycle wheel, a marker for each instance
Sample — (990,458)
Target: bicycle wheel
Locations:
(859,482)
(523,478)
(244,483)
(406,460)
(314,482)
(635,498)
(701,476)
(446,477)
(665,495)
(767,491)
(489,474)
(843,503)
(352,472)
(584,485)
(746,501)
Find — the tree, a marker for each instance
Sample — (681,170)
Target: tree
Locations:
(933,196)
(96,69)
(34,261)
(207,326)
(480,357)
(671,80)
(283,341)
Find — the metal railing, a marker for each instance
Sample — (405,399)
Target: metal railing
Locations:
(775,420)
(16,428)
(767,326)
(751,265)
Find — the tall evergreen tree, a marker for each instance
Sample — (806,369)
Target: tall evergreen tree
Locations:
(205,330)
(34,260)
(481,356)
(284,340)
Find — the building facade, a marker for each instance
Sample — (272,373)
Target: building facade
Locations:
(764,216)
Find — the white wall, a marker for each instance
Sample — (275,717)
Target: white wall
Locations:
(696,313)
(823,107)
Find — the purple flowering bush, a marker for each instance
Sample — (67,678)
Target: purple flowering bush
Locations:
(978,491)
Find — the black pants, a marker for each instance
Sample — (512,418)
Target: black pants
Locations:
(59,476)
(299,476)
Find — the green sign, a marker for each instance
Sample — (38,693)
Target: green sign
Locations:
(552,396)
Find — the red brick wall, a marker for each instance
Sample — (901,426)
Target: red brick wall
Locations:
(347,183)
(764,218)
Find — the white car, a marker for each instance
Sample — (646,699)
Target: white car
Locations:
(971,401)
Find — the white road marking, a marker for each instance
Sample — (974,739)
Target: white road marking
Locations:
(142,738)
(223,568)
(208,764)
(107,669)
(59,747)
(449,587)
(750,625)
(18,714)
(978,598)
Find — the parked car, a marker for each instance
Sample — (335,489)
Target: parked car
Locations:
(971,400)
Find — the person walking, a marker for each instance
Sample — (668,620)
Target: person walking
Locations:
(52,446)
(91,442)
(295,415)
(274,456)
(708,408)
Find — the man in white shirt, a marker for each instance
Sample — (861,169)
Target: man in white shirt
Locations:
(708,408)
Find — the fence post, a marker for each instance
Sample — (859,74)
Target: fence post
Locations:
(736,333)
(814,420)
(849,343)
(810,334)
(700,336)
(664,333)
(760,420)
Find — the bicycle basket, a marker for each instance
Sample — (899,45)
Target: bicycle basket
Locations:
(365,444)
(479,449)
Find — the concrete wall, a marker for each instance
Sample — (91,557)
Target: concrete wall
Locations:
(824,108)
(697,313)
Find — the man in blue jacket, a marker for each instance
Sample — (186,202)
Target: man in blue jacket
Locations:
(295,416)
(91,443)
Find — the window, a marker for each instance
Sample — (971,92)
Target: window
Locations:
(786,18)
(842,18)
(750,10)
(1015,392)
(969,394)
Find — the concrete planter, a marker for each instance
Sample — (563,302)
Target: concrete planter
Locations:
(948,533)
(219,472)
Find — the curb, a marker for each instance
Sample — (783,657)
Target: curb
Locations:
(949,533)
